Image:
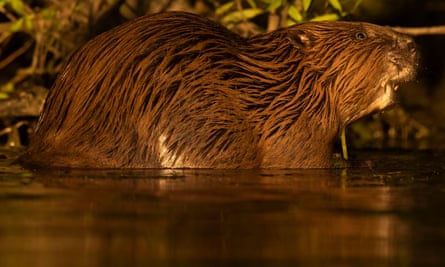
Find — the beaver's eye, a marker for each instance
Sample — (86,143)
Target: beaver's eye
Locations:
(361,36)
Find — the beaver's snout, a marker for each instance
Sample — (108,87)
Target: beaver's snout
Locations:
(404,57)
(406,43)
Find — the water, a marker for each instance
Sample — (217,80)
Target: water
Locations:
(388,215)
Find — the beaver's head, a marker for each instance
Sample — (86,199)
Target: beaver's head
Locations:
(358,65)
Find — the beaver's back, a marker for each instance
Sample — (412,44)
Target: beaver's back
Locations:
(131,95)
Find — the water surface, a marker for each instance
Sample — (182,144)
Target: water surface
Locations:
(389,215)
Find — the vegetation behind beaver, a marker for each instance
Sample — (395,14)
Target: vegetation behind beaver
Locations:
(176,90)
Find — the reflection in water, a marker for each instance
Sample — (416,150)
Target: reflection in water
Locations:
(386,216)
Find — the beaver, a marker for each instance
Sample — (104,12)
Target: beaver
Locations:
(177,90)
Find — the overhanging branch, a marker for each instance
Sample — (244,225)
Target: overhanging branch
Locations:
(416,31)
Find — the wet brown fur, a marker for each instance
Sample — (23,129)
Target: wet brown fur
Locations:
(178,90)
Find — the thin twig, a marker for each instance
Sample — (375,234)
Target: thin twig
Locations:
(432,30)
(6,61)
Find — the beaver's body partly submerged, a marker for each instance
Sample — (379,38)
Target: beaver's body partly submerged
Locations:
(175,90)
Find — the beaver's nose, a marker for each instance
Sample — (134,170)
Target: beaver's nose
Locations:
(406,42)
(411,45)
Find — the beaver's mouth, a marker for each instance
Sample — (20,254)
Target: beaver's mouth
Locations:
(390,86)
(385,93)
(385,97)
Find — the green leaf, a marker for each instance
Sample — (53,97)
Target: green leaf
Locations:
(356,5)
(344,145)
(238,16)
(48,13)
(4,95)
(17,25)
(8,87)
(18,6)
(324,17)
(273,4)
(251,3)
(290,22)
(306,4)
(29,22)
(224,8)
(336,4)
(295,14)
(252,12)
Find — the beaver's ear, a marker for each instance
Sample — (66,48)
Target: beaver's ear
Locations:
(299,39)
